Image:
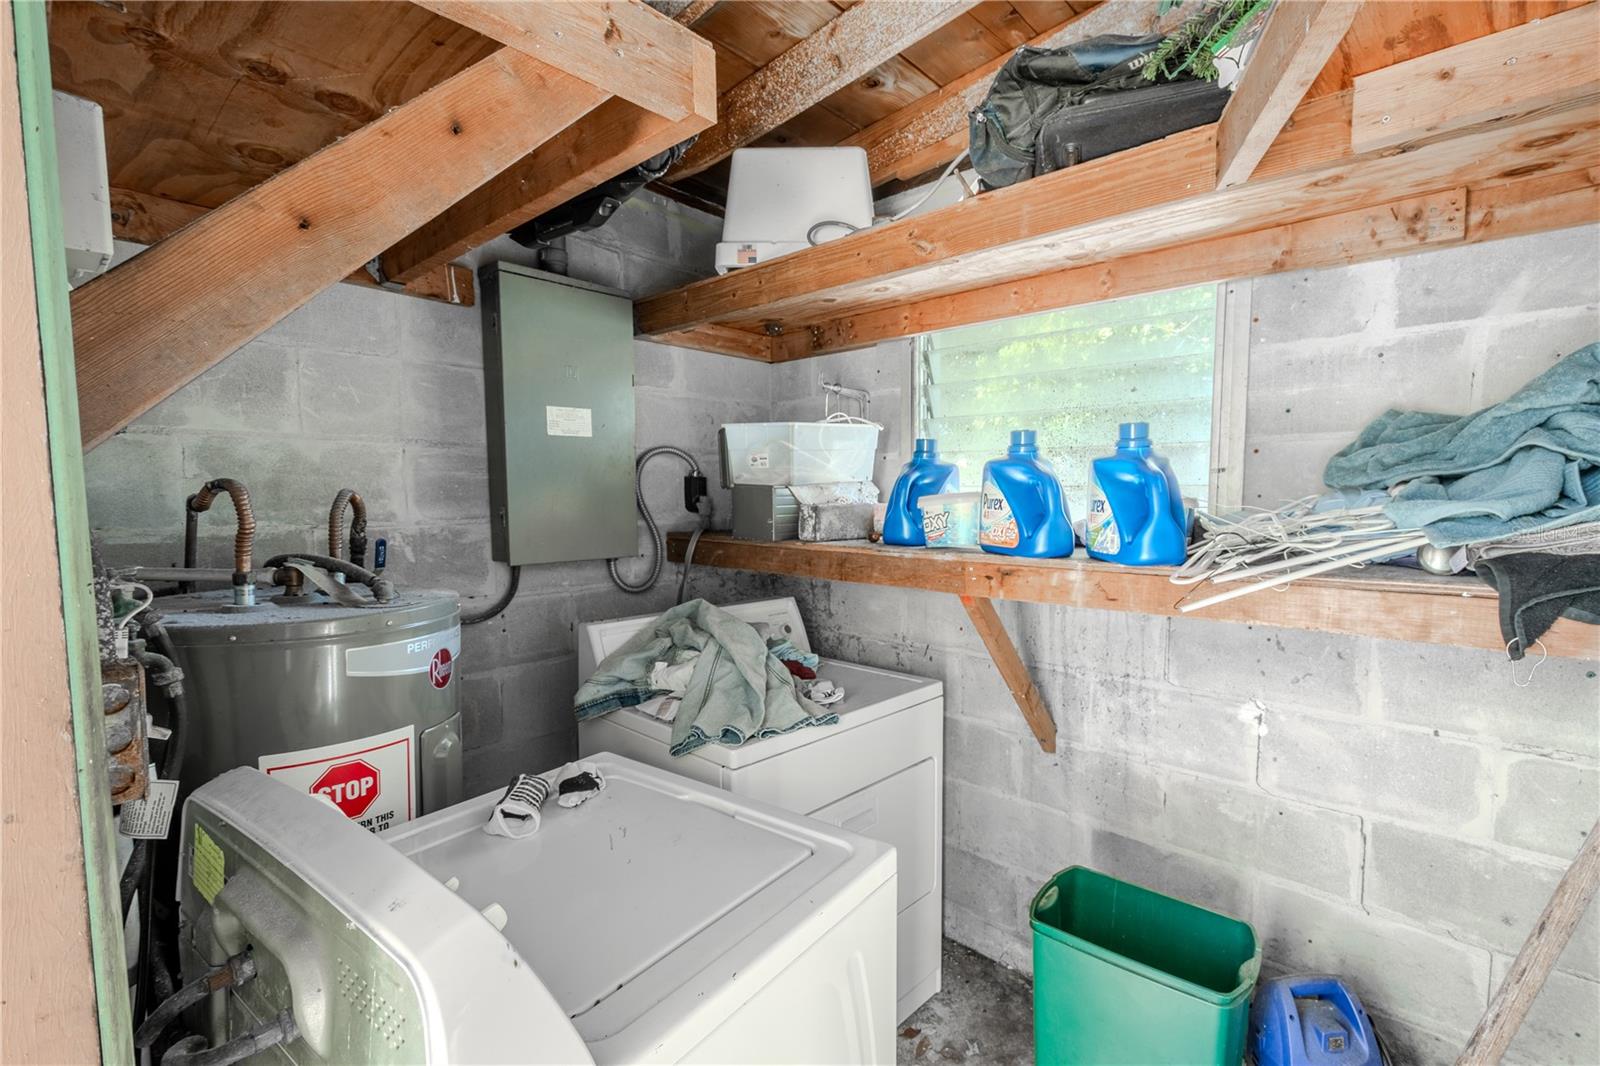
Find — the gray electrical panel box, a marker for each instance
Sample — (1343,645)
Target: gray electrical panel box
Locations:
(558,383)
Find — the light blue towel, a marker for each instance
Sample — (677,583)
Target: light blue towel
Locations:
(737,692)
(1529,463)
(785,650)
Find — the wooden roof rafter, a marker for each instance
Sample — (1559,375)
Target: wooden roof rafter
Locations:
(215,278)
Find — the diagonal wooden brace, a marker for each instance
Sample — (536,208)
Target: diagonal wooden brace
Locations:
(1015,672)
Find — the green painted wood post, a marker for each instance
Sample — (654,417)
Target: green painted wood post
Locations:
(72,529)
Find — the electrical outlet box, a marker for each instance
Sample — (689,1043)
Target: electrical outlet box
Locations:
(558,386)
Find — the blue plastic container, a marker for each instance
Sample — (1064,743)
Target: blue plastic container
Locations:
(1024,512)
(1136,512)
(925,475)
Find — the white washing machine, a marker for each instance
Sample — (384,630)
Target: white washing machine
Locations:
(660,921)
(879,772)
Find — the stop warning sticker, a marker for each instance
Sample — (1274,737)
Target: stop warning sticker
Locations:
(371,780)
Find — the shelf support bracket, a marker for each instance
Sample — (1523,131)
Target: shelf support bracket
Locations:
(1015,672)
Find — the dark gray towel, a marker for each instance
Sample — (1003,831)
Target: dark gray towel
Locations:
(1536,589)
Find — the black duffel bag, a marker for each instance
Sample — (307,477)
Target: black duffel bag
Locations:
(1053,107)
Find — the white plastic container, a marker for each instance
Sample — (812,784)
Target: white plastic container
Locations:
(778,199)
(798,453)
(950,519)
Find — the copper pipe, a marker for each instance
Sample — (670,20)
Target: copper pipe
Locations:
(245,537)
(358,526)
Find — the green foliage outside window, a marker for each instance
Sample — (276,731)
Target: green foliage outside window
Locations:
(1073,375)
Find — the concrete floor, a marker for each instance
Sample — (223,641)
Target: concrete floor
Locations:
(982,1014)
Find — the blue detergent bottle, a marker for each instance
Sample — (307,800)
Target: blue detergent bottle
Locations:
(1136,511)
(1023,510)
(925,475)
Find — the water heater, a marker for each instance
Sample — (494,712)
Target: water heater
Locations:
(358,704)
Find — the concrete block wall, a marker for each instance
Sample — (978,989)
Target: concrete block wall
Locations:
(1451,331)
(384,394)
(1394,812)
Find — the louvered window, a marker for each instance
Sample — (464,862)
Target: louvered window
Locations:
(1073,375)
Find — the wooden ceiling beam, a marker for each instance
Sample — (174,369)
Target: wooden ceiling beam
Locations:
(1295,45)
(932,131)
(847,48)
(723,340)
(1426,221)
(624,47)
(147,327)
(1462,215)
(145,218)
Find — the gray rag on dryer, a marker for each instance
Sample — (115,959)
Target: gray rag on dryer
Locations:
(738,691)
(1531,462)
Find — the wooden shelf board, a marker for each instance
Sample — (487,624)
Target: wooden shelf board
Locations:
(1389,602)
(1152,205)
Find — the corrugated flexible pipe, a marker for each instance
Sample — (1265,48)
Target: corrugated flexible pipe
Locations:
(244,537)
(358,526)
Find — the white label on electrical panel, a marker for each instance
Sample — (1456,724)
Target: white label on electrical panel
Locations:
(150,818)
(372,781)
(568,422)
(759,460)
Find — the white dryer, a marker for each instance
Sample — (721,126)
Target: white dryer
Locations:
(879,772)
(661,921)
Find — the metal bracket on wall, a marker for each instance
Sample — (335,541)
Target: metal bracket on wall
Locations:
(1012,669)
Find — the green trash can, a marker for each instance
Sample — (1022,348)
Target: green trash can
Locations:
(1122,974)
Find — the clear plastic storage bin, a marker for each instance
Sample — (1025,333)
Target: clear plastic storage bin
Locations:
(798,453)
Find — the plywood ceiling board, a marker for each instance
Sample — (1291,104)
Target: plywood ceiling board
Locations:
(759,31)
(1006,23)
(1040,15)
(885,90)
(950,51)
(815,127)
(205,100)
(1393,31)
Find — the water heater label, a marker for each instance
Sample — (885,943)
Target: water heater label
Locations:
(414,655)
(149,818)
(371,780)
(568,422)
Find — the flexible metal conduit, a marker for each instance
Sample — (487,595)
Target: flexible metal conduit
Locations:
(244,537)
(658,543)
(358,526)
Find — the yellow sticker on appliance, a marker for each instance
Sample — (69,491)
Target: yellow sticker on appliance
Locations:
(206,867)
